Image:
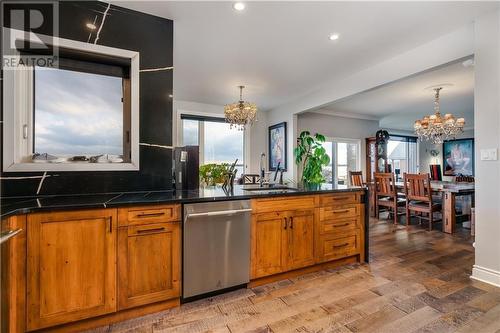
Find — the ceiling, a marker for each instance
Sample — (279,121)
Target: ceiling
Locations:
(398,104)
(281,50)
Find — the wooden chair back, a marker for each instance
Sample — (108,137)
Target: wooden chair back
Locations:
(418,187)
(356,178)
(385,185)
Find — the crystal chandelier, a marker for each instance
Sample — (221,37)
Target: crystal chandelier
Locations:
(436,128)
(241,113)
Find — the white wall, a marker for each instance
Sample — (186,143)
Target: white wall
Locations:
(339,127)
(487,135)
(256,137)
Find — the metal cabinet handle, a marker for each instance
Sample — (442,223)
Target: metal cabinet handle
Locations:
(6,235)
(342,245)
(286,223)
(220,212)
(150,230)
(150,214)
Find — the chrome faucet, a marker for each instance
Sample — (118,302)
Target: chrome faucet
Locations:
(262,169)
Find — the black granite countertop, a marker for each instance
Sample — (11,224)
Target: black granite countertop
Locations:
(23,205)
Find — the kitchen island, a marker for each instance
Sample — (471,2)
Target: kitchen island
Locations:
(89,260)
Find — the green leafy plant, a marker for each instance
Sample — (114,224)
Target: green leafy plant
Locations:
(312,156)
(212,174)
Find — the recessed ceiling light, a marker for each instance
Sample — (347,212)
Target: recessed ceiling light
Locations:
(91,26)
(239,6)
(334,37)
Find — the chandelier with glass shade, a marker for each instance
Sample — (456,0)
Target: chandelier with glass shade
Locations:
(241,113)
(436,128)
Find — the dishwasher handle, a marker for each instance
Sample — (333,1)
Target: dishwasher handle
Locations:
(5,236)
(219,213)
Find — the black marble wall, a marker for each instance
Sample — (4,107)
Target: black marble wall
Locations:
(153,38)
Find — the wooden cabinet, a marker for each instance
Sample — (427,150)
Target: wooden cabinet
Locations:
(71,266)
(149,263)
(300,239)
(269,242)
(282,241)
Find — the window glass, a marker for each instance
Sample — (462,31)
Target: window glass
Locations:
(190,132)
(219,144)
(343,158)
(402,155)
(328,170)
(77,113)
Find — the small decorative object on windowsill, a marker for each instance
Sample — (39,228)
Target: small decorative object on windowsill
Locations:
(311,156)
(436,128)
(241,113)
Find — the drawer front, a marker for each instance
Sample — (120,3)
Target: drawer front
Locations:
(148,229)
(340,212)
(281,204)
(342,227)
(339,199)
(331,248)
(148,214)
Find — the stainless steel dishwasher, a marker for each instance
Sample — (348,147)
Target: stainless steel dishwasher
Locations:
(216,246)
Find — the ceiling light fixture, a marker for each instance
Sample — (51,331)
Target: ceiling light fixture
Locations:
(334,36)
(435,128)
(241,113)
(91,26)
(239,6)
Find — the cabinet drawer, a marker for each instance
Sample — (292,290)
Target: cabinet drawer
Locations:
(339,199)
(283,204)
(148,214)
(339,226)
(148,229)
(331,247)
(340,212)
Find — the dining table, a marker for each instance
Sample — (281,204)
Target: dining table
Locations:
(449,191)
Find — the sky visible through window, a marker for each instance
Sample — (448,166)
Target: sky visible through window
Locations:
(222,144)
(77,113)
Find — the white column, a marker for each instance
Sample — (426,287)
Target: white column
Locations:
(487,136)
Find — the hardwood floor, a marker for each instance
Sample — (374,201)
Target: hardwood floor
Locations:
(417,281)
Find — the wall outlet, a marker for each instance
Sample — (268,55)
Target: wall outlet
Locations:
(489,154)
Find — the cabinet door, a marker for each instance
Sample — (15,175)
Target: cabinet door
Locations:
(268,244)
(300,239)
(149,263)
(71,266)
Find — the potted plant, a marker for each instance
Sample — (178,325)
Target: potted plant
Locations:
(311,156)
(213,174)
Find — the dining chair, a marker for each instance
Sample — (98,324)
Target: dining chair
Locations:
(386,195)
(356,178)
(419,198)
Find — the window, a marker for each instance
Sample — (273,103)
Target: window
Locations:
(79,115)
(402,155)
(217,141)
(344,157)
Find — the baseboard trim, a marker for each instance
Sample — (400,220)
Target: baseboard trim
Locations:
(486,275)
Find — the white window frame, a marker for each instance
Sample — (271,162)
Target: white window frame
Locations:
(18,111)
(201,136)
(335,142)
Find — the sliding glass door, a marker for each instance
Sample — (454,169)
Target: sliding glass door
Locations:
(344,157)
